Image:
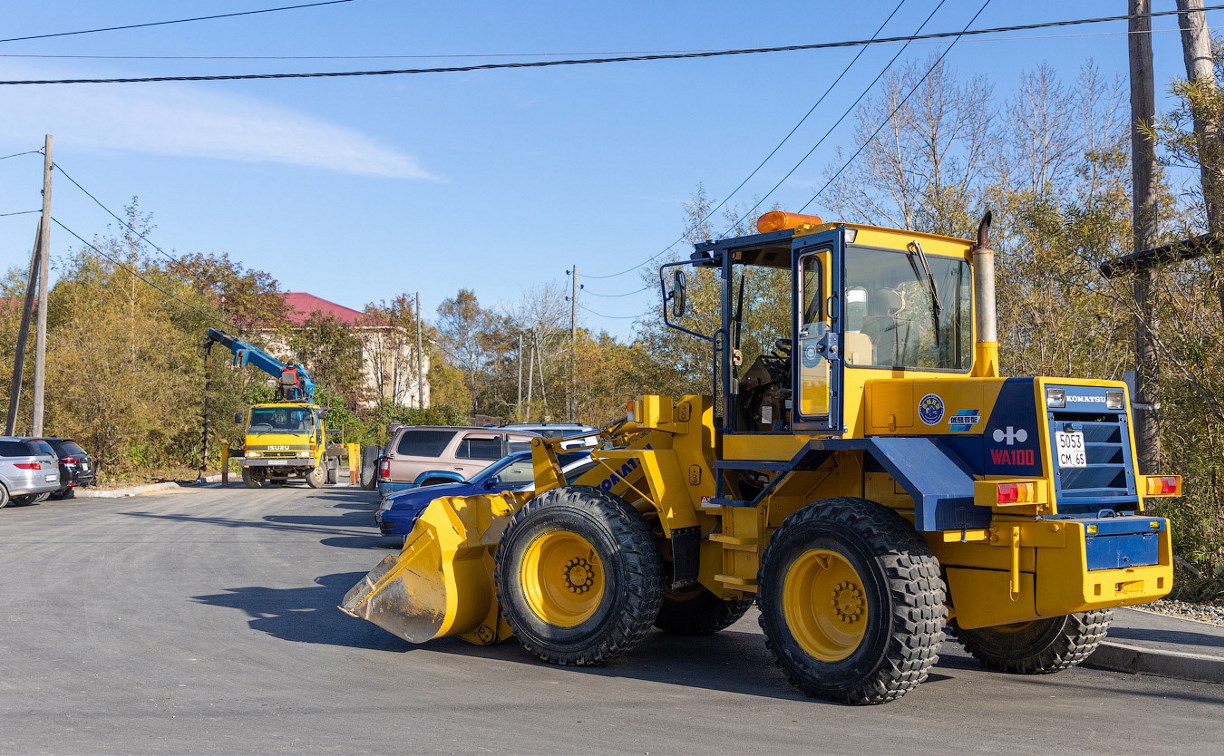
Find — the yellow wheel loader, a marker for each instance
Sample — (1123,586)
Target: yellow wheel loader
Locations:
(868,479)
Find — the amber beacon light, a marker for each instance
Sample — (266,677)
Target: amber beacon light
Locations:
(778,221)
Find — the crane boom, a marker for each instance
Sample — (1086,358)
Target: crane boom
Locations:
(293,382)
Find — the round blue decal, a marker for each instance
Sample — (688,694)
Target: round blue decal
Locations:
(811,358)
(931,409)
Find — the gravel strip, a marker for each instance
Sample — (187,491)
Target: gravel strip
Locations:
(1187,610)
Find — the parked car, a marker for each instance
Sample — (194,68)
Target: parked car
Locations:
(399,511)
(466,450)
(28,470)
(76,467)
(552,430)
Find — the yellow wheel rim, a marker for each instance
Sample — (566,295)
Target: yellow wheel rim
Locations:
(562,578)
(825,605)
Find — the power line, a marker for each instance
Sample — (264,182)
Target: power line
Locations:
(900,105)
(615,317)
(1014,38)
(437,56)
(597,61)
(210,316)
(174,21)
(112,214)
(21,212)
(614,296)
(772,152)
(838,122)
(19,154)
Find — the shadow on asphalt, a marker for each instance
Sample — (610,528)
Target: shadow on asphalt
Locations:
(1167,636)
(306,615)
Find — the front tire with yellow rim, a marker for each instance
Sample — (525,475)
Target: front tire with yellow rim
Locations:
(852,602)
(578,576)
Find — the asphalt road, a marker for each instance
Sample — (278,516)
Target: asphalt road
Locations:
(205,622)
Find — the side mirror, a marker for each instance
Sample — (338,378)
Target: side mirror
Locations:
(679,293)
(492,483)
(238,418)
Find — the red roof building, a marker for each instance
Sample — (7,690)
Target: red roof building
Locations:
(303,305)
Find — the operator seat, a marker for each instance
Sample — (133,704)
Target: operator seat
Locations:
(883,327)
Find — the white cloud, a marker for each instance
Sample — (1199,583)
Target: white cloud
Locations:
(191,120)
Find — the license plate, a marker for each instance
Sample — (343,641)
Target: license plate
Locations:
(1070,446)
(277,462)
(51,477)
(84,465)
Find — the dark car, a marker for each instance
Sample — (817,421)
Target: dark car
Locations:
(76,467)
(399,511)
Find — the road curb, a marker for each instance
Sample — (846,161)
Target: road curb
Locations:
(1123,657)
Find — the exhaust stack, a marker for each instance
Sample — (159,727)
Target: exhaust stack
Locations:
(986,344)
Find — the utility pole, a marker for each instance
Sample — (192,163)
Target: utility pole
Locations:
(1208,132)
(539,352)
(23,333)
(420,358)
(518,407)
(571,398)
(530,371)
(1143,218)
(44,271)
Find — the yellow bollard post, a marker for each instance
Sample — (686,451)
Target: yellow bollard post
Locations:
(224,462)
(354,455)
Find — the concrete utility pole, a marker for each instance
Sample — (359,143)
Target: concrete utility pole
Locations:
(571,399)
(44,271)
(420,358)
(23,333)
(1143,218)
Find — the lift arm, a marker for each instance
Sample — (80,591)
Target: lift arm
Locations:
(294,382)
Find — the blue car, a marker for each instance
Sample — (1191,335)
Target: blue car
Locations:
(399,511)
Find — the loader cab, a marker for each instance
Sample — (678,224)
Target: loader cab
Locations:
(809,313)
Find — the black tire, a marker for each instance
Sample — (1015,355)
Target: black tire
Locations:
(623,568)
(25,500)
(333,471)
(63,494)
(369,467)
(250,479)
(4,496)
(896,593)
(697,611)
(1040,647)
(317,476)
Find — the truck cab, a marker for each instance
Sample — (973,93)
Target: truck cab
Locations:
(283,440)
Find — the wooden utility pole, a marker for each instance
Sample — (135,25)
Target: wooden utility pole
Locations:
(539,352)
(44,272)
(23,333)
(420,358)
(518,407)
(1143,219)
(571,398)
(1208,132)
(531,371)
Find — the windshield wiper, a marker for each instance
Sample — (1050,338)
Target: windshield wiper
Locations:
(915,252)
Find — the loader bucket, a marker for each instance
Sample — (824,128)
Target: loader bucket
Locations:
(441,584)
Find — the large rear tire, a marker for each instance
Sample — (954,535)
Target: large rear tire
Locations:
(578,576)
(852,603)
(697,611)
(4,496)
(333,470)
(369,467)
(1039,647)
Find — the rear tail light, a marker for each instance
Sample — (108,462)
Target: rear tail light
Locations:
(69,460)
(384,470)
(27,465)
(1008,493)
(1164,485)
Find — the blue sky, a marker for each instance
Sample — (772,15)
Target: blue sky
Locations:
(356,189)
